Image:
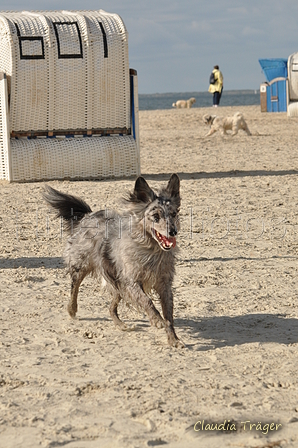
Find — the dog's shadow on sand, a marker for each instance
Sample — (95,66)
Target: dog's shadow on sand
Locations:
(223,331)
(220,174)
(32,263)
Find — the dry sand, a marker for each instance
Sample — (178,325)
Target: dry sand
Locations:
(82,383)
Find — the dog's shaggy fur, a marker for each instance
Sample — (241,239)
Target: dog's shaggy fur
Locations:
(223,124)
(134,250)
(184,104)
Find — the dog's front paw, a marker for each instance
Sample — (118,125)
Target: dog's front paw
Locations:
(72,310)
(125,327)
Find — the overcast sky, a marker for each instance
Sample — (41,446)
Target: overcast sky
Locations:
(174,44)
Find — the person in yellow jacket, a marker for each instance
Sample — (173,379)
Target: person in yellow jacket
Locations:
(216,87)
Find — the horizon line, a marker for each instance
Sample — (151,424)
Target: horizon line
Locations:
(195,91)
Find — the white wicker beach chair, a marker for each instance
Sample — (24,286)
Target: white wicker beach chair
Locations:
(68,101)
(292,96)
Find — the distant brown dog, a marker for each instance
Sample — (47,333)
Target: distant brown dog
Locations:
(223,124)
(182,104)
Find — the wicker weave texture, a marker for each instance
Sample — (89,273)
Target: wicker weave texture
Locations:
(293,109)
(67,70)
(67,73)
(74,158)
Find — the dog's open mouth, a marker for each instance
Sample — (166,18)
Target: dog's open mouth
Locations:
(166,243)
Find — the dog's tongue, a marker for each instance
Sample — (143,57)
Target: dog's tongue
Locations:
(166,242)
(172,240)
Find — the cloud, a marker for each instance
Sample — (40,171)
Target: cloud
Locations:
(201,26)
(248,31)
(238,11)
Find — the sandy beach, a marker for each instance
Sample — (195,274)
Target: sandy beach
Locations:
(84,384)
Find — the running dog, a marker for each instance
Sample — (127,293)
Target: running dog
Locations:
(182,104)
(223,124)
(133,250)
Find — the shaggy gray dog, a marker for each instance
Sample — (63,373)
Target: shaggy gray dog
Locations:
(133,250)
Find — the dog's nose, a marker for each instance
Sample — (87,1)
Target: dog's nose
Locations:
(173,232)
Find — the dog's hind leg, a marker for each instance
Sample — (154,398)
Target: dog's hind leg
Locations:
(77,276)
(114,314)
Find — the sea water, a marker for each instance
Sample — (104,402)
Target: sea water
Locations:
(203,99)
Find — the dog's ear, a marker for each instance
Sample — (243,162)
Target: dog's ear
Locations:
(173,186)
(142,191)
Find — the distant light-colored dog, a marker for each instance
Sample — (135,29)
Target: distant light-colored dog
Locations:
(223,124)
(182,104)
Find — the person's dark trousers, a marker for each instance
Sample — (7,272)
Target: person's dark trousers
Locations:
(216,98)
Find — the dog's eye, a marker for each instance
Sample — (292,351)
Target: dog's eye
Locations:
(156,217)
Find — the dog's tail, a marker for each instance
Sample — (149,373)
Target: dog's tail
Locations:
(70,208)
(174,105)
